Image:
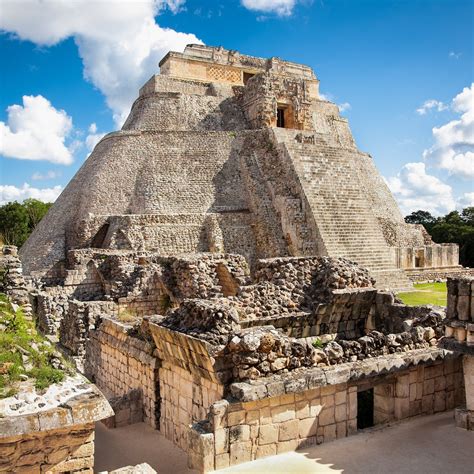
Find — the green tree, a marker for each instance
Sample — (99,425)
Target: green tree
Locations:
(14,228)
(36,211)
(421,217)
(467,215)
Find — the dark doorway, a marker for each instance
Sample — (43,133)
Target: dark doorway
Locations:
(247,76)
(365,409)
(281,118)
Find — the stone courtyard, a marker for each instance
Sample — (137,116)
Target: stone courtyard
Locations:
(223,270)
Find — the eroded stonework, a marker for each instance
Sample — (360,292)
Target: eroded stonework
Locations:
(216,268)
(224,152)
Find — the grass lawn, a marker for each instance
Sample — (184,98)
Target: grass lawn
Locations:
(425,293)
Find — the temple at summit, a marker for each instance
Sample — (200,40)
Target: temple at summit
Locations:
(224,152)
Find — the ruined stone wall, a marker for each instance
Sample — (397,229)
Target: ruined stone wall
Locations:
(120,363)
(185,399)
(245,431)
(176,111)
(161,173)
(428,256)
(61,450)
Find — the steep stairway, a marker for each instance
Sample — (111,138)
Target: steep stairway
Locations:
(342,212)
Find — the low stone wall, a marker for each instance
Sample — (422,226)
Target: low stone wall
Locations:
(60,439)
(284,421)
(63,450)
(119,363)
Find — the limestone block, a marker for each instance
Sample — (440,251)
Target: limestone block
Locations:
(427,403)
(222,461)
(327,416)
(266,450)
(240,452)
(285,446)
(283,413)
(239,433)
(221,438)
(268,434)
(401,408)
(236,417)
(330,433)
(341,429)
(288,430)
(307,427)
(341,413)
(341,397)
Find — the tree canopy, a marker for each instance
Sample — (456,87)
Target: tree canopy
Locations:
(17,220)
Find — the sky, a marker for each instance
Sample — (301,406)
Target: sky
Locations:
(401,72)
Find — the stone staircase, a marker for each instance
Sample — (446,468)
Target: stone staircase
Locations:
(342,212)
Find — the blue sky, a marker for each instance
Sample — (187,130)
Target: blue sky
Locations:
(401,71)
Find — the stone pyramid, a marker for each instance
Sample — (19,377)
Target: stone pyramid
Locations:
(224,152)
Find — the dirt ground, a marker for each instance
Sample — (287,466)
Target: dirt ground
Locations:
(430,444)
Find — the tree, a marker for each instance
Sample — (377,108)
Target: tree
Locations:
(14,229)
(36,211)
(421,217)
(467,215)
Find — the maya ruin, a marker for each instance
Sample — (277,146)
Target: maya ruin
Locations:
(223,269)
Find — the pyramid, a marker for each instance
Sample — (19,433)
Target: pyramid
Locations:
(224,152)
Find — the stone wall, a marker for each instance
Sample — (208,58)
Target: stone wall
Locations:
(120,363)
(59,439)
(459,332)
(61,450)
(428,256)
(185,400)
(241,432)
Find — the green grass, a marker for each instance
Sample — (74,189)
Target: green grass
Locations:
(425,293)
(23,352)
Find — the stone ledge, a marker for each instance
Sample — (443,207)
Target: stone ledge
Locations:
(449,343)
(85,408)
(307,379)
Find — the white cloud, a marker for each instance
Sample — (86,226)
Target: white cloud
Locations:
(46,176)
(466,200)
(119,41)
(10,193)
(280,7)
(414,189)
(454,55)
(453,148)
(36,131)
(344,107)
(93,137)
(429,105)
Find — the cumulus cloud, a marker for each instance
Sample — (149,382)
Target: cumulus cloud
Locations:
(415,189)
(454,55)
(9,193)
(118,40)
(93,137)
(344,107)
(36,131)
(453,148)
(46,176)
(466,200)
(430,105)
(279,7)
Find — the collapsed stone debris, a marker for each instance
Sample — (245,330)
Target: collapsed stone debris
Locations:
(222,267)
